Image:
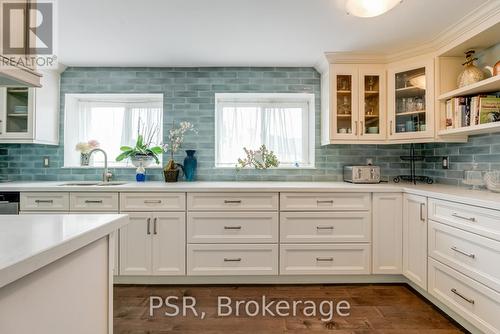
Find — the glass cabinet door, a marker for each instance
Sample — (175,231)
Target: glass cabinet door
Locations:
(344,117)
(16,113)
(371,106)
(410,101)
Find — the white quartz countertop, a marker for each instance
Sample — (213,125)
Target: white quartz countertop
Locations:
(30,242)
(482,198)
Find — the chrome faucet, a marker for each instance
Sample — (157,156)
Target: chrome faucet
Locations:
(106,175)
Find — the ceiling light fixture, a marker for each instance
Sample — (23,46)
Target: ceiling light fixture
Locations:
(370,8)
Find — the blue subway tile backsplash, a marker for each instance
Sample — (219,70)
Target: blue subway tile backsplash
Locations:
(189,95)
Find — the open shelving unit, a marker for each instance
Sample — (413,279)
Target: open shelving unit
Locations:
(486,43)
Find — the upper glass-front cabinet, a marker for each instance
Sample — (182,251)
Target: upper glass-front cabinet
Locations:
(410,101)
(358,102)
(345,118)
(16,112)
(372,111)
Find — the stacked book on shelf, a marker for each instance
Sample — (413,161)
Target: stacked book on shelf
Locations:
(465,111)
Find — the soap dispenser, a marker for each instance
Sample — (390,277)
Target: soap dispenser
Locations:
(140,173)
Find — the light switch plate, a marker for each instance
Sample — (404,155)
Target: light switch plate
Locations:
(46,162)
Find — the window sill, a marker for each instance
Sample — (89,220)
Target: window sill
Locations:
(109,167)
(274,168)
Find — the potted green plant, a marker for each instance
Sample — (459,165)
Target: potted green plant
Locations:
(143,153)
(175,140)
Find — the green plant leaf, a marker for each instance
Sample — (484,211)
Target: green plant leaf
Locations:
(124,155)
(156,149)
(126,148)
(140,142)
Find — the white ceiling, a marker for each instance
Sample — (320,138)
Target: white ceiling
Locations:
(239,32)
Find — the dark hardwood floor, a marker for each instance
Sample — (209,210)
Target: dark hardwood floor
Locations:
(374,309)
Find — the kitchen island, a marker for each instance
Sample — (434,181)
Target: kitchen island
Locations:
(56,273)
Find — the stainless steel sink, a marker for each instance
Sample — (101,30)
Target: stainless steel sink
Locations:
(86,184)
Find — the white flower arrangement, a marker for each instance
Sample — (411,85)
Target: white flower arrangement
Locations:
(175,140)
(86,147)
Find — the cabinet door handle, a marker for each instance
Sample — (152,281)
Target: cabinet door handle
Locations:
(232,201)
(238,259)
(324,259)
(50,201)
(472,256)
(152,201)
(232,227)
(89,201)
(324,227)
(356,128)
(149,225)
(361,128)
(390,127)
(422,216)
(155,225)
(456,215)
(325,201)
(468,300)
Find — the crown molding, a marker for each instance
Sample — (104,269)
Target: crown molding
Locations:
(481,18)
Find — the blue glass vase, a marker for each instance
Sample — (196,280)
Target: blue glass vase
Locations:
(190,164)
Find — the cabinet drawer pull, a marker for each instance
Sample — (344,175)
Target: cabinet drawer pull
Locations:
(472,256)
(324,259)
(325,227)
(238,259)
(422,216)
(325,201)
(91,201)
(456,215)
(232,227)
(50,201)
(152,201)
(155,225)
(149,225)
(468,300)
(232,201)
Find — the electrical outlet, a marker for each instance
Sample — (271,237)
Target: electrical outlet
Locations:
(46,162)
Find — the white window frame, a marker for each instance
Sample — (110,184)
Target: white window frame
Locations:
(309,125)
(71,105)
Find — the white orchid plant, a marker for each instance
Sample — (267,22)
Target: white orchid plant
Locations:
(175,140)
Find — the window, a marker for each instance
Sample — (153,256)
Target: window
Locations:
(114,120)
(283,122)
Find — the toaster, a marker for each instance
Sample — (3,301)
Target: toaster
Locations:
(362,174)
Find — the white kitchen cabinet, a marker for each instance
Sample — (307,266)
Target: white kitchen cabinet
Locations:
(31,115)
(169,243)
(358,95)
(411,99)
(44,201)
(153,244)
(415,239)
(387,233)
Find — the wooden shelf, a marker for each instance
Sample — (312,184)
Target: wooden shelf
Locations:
(484,86)
(371,92)
(472,130)
(410,92)
(411,113)
(344,91)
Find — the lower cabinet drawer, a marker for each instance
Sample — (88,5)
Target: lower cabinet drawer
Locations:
(48,201)
(324,259)
(232,227)
(470,299)
(93,201)
(315,227)
(152,202)
(232,260)
(469,253)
